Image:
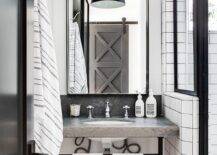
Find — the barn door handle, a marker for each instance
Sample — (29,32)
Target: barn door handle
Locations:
(124,25)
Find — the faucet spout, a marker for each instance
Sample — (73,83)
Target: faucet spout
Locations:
(107,110)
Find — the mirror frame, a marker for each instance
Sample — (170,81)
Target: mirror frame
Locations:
(68,16)
(175,35)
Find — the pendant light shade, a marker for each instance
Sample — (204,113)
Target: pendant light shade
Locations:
(108,3)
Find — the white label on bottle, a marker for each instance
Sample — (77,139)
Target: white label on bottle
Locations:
(150,109)
(138,110)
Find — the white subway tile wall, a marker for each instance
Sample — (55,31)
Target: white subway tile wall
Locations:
(168,86)
(185,47)
(167,46)
(181,109)
(212,92)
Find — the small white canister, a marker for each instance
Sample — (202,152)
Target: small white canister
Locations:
(75,110)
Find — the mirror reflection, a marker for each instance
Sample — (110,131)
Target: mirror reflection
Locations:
(185,51)
(106,48)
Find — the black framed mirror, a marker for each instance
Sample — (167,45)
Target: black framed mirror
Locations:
(185,55)
(115,52)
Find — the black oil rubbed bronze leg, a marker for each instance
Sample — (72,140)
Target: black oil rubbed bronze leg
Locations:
(160,145)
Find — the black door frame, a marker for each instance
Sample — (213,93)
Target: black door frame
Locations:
(200,15)
(201,45)
(22,81)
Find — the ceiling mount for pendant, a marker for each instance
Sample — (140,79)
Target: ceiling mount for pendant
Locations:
(108,3)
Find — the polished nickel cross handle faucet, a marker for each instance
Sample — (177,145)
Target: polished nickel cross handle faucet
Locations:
(90,108)
(126,107)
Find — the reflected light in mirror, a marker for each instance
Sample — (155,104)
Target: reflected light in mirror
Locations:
(108,3)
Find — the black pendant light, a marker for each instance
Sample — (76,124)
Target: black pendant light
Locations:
(108,3)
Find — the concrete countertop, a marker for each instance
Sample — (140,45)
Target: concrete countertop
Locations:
(139,128)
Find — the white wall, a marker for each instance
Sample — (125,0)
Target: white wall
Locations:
(155,46)
(57,11)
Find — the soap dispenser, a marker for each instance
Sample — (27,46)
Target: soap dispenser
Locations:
(151,106)
(139,106)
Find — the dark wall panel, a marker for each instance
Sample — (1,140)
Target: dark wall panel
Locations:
(9,77)
(98,101)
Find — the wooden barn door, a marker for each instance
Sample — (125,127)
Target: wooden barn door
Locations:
(108,59)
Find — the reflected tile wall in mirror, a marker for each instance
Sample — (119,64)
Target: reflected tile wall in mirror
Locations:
(185,51)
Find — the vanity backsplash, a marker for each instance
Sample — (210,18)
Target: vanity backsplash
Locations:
(99,102)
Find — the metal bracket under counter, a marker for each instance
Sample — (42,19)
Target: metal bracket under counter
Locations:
(31,148)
